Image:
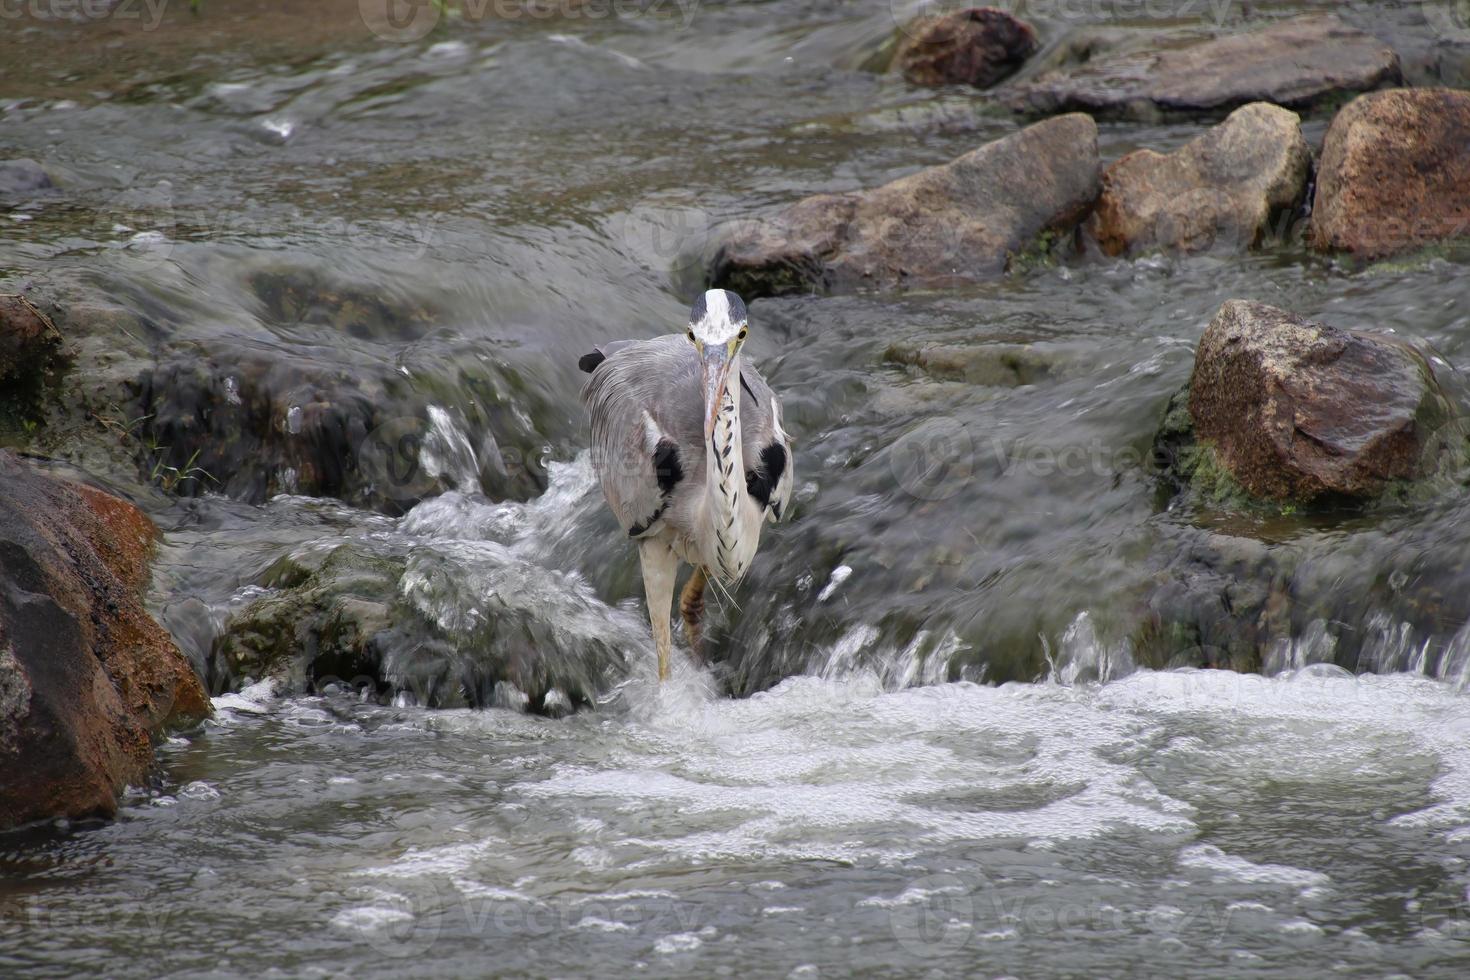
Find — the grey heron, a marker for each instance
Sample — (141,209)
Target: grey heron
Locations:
(688,446)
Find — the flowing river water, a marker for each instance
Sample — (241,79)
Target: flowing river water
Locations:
(935,738)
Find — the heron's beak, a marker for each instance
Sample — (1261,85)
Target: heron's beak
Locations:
(714,374)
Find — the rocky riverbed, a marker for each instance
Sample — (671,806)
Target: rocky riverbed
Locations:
(1114,346)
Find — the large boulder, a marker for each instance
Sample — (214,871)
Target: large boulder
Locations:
(1222,188)
(1296,63)
(1293,410)
(1395,173)
(88,680)
(961,221)
(979,47)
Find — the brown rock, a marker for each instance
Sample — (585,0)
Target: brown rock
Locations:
(1395,173)
(953,223)
(28,338)
(87,678)
(1220,189)
(979,47)
(1294,63)
(1295,410)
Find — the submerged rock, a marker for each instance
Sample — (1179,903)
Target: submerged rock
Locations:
(448,622)
(1293,410)
(979,47)
(1222,188)
(22,177)
(1295,63)
(993,364)
(1395,173)
(327,617)
(958,222)
(88,680)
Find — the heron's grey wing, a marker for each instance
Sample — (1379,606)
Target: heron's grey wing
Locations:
(637,395)
(769,466)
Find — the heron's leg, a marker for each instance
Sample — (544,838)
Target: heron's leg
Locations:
(691,607)
(659,569)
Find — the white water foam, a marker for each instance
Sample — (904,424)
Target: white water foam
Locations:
(668,776)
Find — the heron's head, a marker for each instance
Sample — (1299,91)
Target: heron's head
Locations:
(717,329)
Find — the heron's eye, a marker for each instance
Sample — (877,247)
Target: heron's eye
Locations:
(741,336)
(690,335)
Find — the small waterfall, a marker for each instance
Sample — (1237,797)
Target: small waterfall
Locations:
(445,452)
(1085,657)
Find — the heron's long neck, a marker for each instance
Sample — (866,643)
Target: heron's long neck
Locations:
(725,481)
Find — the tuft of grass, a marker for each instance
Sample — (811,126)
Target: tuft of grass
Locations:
(171,477)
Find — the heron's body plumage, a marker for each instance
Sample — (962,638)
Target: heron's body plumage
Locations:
(651,457)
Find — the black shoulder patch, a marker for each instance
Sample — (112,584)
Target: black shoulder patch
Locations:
(761,482)
(668,471)
(589,362)
(666,466)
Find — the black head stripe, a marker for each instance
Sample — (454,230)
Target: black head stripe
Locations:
(746,385)
(737,308)
(589,362)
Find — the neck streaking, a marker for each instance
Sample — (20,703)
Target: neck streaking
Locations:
(725,483)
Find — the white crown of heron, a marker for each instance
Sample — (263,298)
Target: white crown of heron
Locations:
(721,322)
